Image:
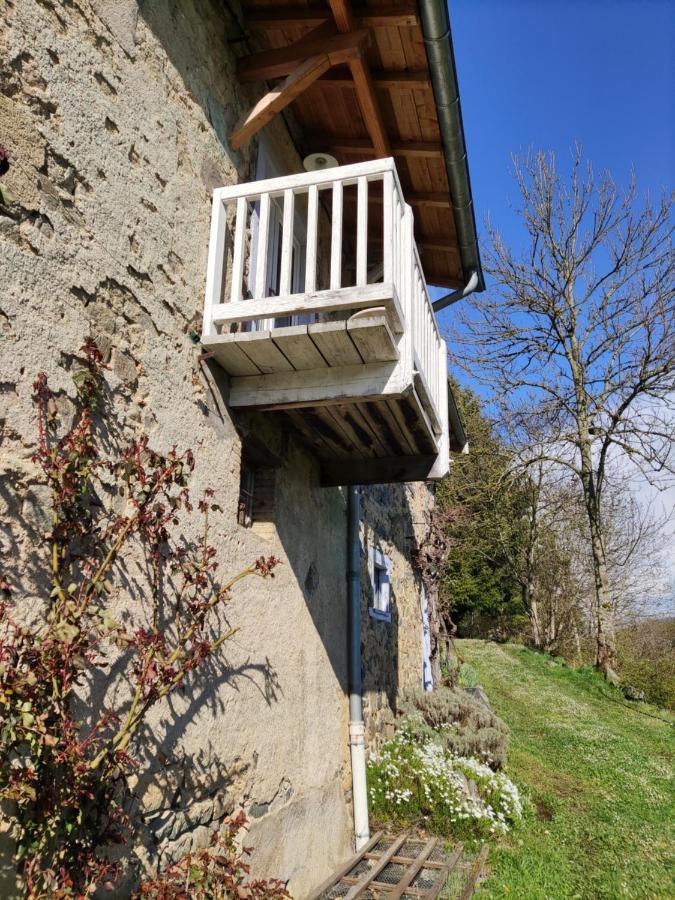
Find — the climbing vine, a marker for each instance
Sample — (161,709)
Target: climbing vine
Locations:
(64,756)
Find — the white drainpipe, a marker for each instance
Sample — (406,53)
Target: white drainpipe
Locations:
(357,741)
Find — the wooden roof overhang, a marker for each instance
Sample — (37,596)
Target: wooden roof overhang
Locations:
(359,83)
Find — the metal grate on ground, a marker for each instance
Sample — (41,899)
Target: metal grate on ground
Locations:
(402,867)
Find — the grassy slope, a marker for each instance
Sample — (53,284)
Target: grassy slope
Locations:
(599,777)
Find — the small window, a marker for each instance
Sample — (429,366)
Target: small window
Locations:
(246,492)
(380,570)
(256,504)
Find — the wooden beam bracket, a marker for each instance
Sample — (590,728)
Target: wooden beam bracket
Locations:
(270,64)
(274,101)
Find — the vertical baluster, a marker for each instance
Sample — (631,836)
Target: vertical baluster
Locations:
(397,244)
(403,260)
(238,250)
(423,317)
(394,246)
(214,271)
(287,244)
(388,226)
(336,238)
(362,232)
(310,258)
(262,249)
(429,352)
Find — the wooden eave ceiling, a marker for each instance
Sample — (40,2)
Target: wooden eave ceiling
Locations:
(373,62)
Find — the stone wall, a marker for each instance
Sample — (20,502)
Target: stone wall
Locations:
(116,117)
(395,520)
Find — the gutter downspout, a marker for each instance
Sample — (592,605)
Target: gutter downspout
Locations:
(357,741)
(438,42)
(454,296)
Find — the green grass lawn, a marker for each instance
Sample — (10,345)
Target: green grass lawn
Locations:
(598,777)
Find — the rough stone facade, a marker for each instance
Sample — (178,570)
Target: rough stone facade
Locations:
(116,116)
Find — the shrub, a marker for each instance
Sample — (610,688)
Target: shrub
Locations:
(646,660)
(64,765)
(215,873)
(468,676)
(415,781)
(463,724)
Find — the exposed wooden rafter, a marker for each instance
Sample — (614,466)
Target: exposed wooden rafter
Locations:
(302,63)
(399,15)
(420,198)
(364,147)
(434,245)
(384,80)
(363,83)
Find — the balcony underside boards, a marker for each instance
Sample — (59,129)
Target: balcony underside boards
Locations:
(337,385)
(300,348)
(371,442)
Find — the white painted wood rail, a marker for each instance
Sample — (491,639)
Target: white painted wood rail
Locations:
(281,249)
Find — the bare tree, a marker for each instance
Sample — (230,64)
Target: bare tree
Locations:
(577,338)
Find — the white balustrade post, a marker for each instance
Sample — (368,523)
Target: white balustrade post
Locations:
(261,249)
(388,227)
(336,238)
(238,251)
(362,232)
(214,270)
(287,244)
(312,236)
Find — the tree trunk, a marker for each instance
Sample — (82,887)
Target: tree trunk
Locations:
(577,639)
(605,639)
(603,613)
(533,612)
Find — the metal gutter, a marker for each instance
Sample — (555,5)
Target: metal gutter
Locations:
(438,42)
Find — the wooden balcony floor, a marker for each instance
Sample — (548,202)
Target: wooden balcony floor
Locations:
(304,347)
(356,441)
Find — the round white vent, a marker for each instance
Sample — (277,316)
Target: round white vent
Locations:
(317,161)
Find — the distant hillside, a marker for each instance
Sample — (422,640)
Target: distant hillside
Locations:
(599,776)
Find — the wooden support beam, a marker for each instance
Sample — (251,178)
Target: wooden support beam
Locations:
(363,83)
(403,14)
(342,13)
(268,64)
(430,198)
(384,80)
(370,107)
(436,245)
(363,146)
(274,101)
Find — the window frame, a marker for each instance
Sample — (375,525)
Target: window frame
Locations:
(380,582)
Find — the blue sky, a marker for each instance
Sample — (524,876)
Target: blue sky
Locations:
(546,74)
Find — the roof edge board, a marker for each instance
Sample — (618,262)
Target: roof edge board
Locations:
(438,43)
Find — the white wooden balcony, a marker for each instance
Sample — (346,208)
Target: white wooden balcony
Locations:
(316,305)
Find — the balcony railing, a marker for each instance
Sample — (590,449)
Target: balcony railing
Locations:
(293,260)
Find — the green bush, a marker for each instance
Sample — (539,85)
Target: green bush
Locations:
(646,660)
(461,723)
(468,677)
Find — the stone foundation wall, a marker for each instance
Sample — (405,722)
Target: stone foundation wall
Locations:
(116,116)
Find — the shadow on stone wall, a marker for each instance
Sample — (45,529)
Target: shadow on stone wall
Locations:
(191,33)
